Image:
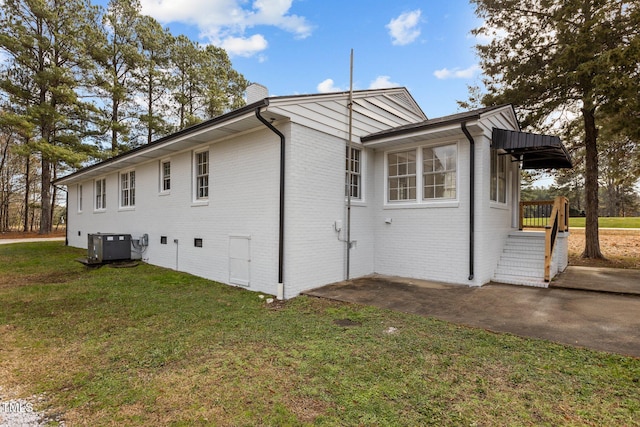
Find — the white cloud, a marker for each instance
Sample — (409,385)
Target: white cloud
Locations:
(404,29)
(383,82)
(227,21)
(246,47)
(457,73)
(490,34)
(327,86)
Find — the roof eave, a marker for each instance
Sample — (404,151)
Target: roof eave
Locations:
(186,133)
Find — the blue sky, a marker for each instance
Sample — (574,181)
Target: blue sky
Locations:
(303,46)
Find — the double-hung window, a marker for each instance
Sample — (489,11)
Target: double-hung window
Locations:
(353,179)
(101,194)
(128,189)
(165,174)
(498,191)
(439,172)
(402,175)
(202,175)
(79,197)
(431,169)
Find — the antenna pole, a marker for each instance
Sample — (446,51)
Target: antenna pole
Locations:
(349,165)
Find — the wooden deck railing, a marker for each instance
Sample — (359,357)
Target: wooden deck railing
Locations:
(553,216)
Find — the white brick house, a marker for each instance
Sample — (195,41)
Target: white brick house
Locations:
(256,197)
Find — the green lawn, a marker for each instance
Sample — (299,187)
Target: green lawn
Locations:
(149,346)
(608,222)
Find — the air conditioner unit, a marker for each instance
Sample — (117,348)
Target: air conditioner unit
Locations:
(108,247)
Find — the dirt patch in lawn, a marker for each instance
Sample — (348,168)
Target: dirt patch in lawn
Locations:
(620,247)
(61,232)
(57,277)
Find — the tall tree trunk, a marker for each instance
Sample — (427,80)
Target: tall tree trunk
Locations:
(592,239)
(27,185)
(45,200)
(114,131)
(150,109)
(53,197)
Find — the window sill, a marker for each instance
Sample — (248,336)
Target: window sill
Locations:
(164,193)
(361,203)
(99,211)
(198,203)
(422,205)
(126,208)
(498,205)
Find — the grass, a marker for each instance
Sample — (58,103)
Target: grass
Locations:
(603,222)
(608,222)
(149,346)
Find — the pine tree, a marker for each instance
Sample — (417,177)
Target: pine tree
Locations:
(552,56)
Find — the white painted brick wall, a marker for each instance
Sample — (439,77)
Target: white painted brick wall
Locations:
(243,199)
(315,189)
(428,242)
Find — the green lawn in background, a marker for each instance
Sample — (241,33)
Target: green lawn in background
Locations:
(608,222)
(150,346)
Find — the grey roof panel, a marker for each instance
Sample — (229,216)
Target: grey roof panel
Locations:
(536,151)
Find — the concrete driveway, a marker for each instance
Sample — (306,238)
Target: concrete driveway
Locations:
(598,320)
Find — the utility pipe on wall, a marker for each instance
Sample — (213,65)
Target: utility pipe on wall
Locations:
(349,159)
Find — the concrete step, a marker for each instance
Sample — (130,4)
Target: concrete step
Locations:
(522,260)
(520,271)
(521,263)
(520,280)
(534,256)
(525,245)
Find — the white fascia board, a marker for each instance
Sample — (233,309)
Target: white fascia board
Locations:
(158,150)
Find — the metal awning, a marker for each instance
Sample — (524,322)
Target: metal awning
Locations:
(536,151)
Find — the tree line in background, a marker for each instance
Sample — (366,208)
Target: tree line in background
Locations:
(80,83)
(571,67)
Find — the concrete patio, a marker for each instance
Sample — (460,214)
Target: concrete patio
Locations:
(600,315)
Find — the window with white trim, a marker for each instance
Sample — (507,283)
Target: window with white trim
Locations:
(165,175)
(128,189)
(79,197)
(498,191)
(202,175)
(353,178)
(436,166)
(439,172)
(401,169)
(101,194)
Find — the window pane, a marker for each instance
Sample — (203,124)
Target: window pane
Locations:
(439,171)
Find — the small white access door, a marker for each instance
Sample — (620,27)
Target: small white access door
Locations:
(240,260)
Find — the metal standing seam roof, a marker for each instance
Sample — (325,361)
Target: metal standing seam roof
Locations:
(536,151)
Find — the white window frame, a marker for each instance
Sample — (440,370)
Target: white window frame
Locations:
(420,200)
(128,189)
(353,174)
(80,198)
(498,192)
(201,180)
(100,195)
(165,179)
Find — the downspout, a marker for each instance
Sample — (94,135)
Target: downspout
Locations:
(281,219)
(472,182)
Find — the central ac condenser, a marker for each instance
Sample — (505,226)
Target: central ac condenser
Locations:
(108,247)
